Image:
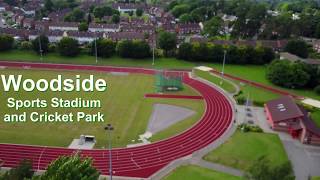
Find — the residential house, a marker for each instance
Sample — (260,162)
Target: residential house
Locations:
(104,27)
(64,26)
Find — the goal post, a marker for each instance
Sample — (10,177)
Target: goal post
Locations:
(168,81)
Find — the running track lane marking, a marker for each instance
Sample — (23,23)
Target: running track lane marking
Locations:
(173,96)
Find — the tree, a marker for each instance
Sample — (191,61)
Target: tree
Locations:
(317,33)
(44,42)
(141,49)
(105,48)
(22,171)
(185,18)
(261,169)
(124,49)
(297,47)
(167,41)
(133,49)
(68,47)
(6,42)
(180,9)
(287,74)
(75,16)
(71,167)
(48,5)
(83,26)
(213,27)
(185,51)
(139,12)
(115,18)
(101,11)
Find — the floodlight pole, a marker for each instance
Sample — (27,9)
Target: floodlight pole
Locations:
(223,64)
(109,130)
(153,56)
(153,48)
(40,48)
(95,47)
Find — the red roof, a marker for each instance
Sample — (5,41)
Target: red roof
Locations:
(283,108)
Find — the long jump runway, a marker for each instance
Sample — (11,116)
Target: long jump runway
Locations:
(142,161)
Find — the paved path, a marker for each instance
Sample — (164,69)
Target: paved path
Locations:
(217,167)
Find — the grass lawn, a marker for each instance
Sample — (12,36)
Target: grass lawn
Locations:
(123,104)
(191,172)
(242,149)
(315,178)
(215,80)
(316,117)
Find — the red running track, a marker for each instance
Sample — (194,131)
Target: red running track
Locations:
(173,96)
(259,85)
(142,161)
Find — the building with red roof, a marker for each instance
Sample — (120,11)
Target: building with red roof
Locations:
(285,115)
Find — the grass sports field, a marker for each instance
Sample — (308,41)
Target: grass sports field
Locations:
(242,149)
(123,104)
(191,172)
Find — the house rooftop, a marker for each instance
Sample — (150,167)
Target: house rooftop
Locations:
(283,108)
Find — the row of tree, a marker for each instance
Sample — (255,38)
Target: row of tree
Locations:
(294,74)
(234,55)
(101,47)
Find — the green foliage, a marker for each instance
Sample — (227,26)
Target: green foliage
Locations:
(297,47)
(83,26)
(99,12)
(133,49)
(105,48)
(185,18)
(287,74)
(262,169)
(25,45)
(71,167)
(213,27)
(68,47)
(317,89)
(180,9)
(208,52)
(184,51)
(44,42)
(139,12)
(115,18)
(249,128)
(6,42)
(22,171)
(167,41)
(76,15)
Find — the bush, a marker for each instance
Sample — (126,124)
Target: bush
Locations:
(22,171)
(25,45)
(249,128)
(52,48)
(287,74)
(68,47)
(317,89)
(105,48)
(44,41)
(297,47)
(133,49)
(6,42)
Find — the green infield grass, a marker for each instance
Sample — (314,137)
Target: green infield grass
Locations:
(216,80)
(123,104)
(242,149)
(191,172)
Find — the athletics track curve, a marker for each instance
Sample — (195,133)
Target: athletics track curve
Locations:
(142,161)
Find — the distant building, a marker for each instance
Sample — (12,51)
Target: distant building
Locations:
(104,28)
(294,58)
(285,115)
(64,26)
